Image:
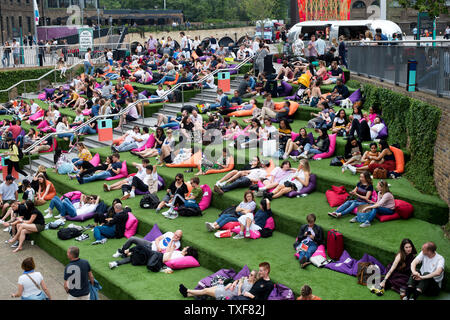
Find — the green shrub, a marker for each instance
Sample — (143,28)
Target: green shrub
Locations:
(353,84)
(11,77)
(422,121)
(395,108)
(413,125)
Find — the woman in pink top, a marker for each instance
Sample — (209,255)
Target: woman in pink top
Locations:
(385,206)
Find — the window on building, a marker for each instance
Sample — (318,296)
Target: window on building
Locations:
(375,3)
(20,22)
(7,25)
(52,3)
(29,24)
(359,5)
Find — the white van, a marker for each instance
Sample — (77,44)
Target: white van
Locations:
(350,28)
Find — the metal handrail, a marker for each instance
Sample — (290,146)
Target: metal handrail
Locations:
(46,74)
(127,108)
(367,43)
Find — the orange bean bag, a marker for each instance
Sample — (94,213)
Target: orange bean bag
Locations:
(118,141)
(399,159)
(171,83)
(226,169)
(242,113)
(194,55)
(192,162)
(292,107)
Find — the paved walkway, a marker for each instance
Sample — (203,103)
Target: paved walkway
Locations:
(10,266)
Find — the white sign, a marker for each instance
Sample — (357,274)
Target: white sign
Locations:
(86,38)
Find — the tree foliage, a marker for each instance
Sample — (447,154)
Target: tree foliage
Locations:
(433,7)
(209,10)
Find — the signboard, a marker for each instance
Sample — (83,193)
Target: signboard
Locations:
(86,38)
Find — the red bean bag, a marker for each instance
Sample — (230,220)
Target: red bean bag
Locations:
(230,225)
(403,209)
(336,196)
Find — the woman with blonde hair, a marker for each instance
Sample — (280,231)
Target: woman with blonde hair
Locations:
(298,180)
(385,206)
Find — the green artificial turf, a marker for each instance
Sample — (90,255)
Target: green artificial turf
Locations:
(225,253)
(289,217)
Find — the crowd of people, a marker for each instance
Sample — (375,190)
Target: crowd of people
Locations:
(162,63)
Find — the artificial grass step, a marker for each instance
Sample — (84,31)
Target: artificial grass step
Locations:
(214,253)
(291,213)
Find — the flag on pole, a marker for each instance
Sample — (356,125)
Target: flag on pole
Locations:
(36,12)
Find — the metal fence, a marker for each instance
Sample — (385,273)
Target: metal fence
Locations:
(390,62)
(33,56)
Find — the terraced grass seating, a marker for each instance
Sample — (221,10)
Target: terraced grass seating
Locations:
(289,214)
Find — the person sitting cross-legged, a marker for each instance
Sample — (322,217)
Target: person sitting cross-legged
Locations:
(191,201)
(111,170)
(309,238)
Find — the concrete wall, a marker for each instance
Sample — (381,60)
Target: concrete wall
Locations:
(442,146)
(175,35)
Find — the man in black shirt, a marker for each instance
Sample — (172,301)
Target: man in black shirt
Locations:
(115,226)
(77,275)
(262,288)
(340,92)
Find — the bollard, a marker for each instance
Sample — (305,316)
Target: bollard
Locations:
(411,84)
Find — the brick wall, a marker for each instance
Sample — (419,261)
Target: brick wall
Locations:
(442,146)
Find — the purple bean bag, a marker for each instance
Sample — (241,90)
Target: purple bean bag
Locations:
(231,70)
(295,135)
(344,264)
(306,190)
(145,93)
(383,134)
(281,292)
(82,217)
(66,86)
(354,97)
(153,234)
(245,272)
(206,282)
(203,58)
(287,89)
(368,258)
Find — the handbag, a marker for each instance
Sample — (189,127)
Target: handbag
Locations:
(336,161)
(41,295)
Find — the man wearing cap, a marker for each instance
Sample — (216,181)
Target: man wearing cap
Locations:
(8,193)
(242,179)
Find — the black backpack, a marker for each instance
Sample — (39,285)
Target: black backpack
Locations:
(188,211)
(139,256)
(266,232)
(68,233)
(149,201)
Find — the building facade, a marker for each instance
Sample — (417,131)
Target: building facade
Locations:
(367,9)
(18,15)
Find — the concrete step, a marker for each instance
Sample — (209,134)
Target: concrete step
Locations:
(92,142)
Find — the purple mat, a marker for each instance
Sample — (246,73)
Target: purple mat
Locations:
(82,217)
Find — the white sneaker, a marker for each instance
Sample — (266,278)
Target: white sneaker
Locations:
(132,194)
(344,167)
(222,184)
(293,158)
(352,220)
(166,213)
(352,169)
(58,216)
(6,229)
(285,156)
(48,216)
(173,215)
(113,265)
(209,226)
(47,210)
(365,224)
(117,254)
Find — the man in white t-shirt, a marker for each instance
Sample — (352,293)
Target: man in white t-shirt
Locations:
(255,45)
(160,244)
(242,179)
(33,106)
(299,46)
(320,46)
(185,45)
(109,57)
(138,141)
(428,280)
(139,49)
(88,64)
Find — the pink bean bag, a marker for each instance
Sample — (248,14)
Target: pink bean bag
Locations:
(42,124)
(122,174)
(270,224)
(95,161)
(260,184)
(206,199)
(37,115)
(148,145)
(42,96)
(131,226)
(182,263)
(330,149)
(73,195)
(86,112)
(230,225)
